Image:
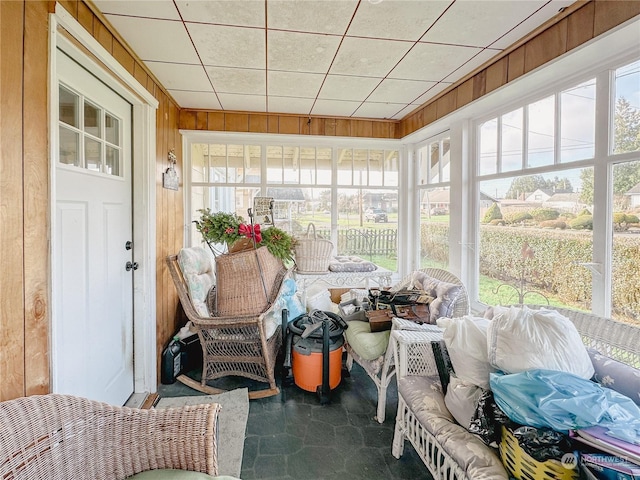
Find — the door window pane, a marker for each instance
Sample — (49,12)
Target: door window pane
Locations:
(540,134)
(69,147)
(68,109)
(625,277)
(92,117)
(112,161)
(112,129)
(92,154)
(535,239)
(577,122)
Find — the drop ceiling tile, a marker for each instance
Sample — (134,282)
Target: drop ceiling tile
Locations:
(251,103)
(141,8)
(223,12)
(223,46)
(368,57)
(334,108)
(142,36)
(187,99)
(378,110)
(300,106)
(399,91)
(317,16)
(429,94)
(400,19)
(343,87)
(431,62)
(479,23)
(301,52)
(481,58)
(180,77)
(238,80)
(538,18)
(294,84)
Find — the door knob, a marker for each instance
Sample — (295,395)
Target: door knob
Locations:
(128,245)
(131,266)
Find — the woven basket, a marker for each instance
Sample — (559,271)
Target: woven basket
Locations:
(521,466)
(246,282)
(312,254)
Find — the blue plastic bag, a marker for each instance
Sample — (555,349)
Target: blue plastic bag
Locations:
(563,401)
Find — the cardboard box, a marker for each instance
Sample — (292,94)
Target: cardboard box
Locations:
(336,293)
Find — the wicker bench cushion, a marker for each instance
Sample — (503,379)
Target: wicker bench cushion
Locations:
(444,295)
(425,399)
(168,474)
(344,263)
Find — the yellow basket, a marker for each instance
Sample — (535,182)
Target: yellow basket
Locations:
(521,466)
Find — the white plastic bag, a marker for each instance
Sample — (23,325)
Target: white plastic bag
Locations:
(523,339)
(466,341)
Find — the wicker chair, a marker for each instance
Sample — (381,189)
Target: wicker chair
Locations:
(66,437)
(234,345)
(382,369)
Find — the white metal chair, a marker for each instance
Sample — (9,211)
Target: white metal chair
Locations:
(382,369)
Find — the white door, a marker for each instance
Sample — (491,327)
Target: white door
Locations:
(93,294)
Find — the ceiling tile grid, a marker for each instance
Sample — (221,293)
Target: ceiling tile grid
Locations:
(345,58)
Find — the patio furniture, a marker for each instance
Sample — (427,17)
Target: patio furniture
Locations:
(448,449)
(382,369)
(244,344)
(57,436)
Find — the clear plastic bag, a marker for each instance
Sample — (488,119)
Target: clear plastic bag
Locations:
(563,401)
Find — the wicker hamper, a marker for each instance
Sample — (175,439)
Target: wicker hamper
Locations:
(312,254)
(247,282)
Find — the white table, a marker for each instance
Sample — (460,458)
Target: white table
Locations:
(381,276)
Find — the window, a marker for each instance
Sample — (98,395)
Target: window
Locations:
(539,199)
(359,212)
(434,173)
(89,137)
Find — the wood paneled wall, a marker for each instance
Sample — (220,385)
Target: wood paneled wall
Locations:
(287,124)
(582,22)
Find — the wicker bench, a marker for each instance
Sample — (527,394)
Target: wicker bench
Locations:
(448,450)
(66,437)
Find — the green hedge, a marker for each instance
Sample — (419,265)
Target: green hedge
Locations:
(554,267)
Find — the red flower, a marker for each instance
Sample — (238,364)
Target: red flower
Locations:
(250,232)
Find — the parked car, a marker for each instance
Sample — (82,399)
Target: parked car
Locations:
(376,215)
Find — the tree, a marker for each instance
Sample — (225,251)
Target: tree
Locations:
(526,184)
(627,139)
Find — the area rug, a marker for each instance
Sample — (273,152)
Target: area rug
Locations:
(232,423)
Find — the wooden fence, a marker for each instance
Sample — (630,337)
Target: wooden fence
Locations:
(365,242)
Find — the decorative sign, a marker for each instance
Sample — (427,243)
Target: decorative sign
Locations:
(170,177)
(263,210)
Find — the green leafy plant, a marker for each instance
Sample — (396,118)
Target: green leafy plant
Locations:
(227,228)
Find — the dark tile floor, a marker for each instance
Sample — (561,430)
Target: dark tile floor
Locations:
(291,436)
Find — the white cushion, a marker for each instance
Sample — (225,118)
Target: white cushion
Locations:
(461,400)
(197,270)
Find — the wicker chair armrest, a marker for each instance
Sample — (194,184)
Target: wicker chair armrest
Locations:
(413,352)
(63,436)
